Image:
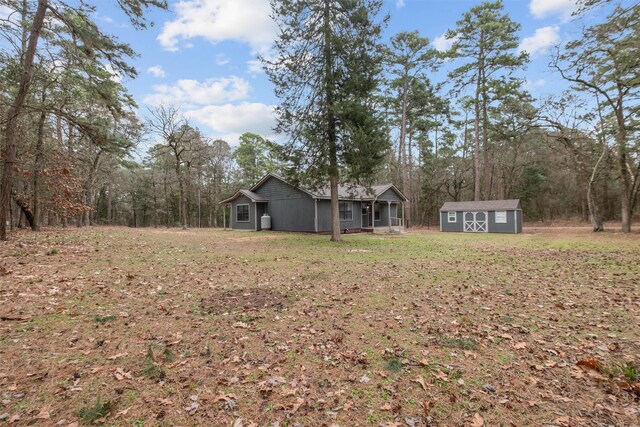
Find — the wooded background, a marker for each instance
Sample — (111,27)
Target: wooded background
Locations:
(83,157)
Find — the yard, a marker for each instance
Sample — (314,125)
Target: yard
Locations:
(207,327)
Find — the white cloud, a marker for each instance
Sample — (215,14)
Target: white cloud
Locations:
(254,66)
(188,92)
(532,84)
(245,21)
(544,8)
(157,71)
(399,3)
(232,119)
(442,43)
(115,75)
(222,59)
(541,41)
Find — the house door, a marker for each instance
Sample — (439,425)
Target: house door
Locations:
(366,216)
(475,222)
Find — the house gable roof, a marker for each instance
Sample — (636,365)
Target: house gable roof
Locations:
(270,175)
(251,195)
(486,205)
(345,191)
(358,192)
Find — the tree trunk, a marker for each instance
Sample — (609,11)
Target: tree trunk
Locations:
(477,168)
(24,207)
(402,149)
(331,126)
(37,167)
(487,167)
(13,114)
(625,185)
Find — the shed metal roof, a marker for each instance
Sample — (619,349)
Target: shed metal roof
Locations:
(486,205)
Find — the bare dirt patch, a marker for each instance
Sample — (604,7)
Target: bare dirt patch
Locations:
(252,299)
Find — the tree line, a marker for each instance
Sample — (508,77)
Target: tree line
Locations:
(352,108)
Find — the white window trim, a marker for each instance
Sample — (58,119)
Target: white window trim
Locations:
(350,210)
(455,217)
(248,211)
(502,221)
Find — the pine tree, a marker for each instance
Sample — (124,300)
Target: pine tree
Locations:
(326,69)
(486,38)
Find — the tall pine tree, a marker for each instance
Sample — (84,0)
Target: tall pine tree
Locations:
(326,71)
(486,40)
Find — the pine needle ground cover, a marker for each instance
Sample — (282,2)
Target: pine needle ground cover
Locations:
(205,327)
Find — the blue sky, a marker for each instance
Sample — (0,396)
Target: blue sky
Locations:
(201,55)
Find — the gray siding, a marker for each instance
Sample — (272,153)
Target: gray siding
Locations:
(243,200)
(451,226)
(262,208)
(324,216)
(384,213)
(290,209)
(509,227)
(390,196)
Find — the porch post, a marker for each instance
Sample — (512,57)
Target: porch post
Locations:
(389,214)
(224,217)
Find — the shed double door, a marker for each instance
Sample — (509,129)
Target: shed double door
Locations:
(475,222)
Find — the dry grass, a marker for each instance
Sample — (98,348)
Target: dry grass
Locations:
(205,327)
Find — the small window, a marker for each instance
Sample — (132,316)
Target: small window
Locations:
(501,217)
(452,216)
(242,213)
(346,211)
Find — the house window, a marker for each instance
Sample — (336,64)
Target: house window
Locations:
(501,217)
(346,211)
(376,213)
(452,216)
(242,213)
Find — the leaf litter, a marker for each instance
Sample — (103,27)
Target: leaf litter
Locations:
(275,328)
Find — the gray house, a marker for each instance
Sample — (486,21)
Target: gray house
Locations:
(292,208)
(491,216)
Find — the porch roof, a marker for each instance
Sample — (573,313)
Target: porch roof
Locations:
(254,197)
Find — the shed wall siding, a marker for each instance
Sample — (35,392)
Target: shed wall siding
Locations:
(451,226)
(507,227)
(235,225)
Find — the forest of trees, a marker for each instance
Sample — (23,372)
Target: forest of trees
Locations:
(72,147)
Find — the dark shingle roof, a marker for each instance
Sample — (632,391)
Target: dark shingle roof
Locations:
(250,194)
(486,205)
(345,191)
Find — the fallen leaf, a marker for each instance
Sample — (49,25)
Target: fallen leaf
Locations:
(123,412)
(386,407)
(426,407)
(116,356)
(520,345)
(478,421)
(590,364)
(420,381)
(563,421)
(44,413)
